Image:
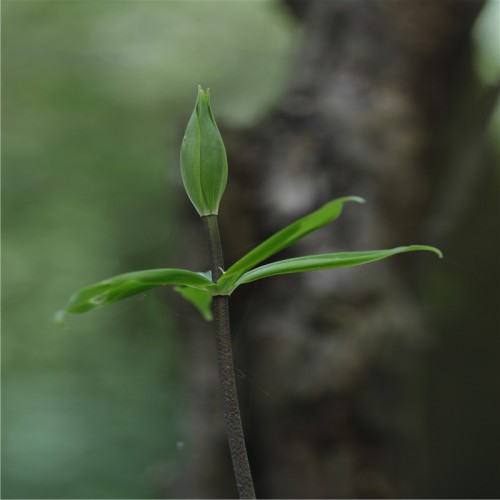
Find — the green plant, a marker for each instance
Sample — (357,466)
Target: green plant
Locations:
(204,173)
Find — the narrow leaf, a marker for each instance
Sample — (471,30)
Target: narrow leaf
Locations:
(122,286)
(201,299)
(284,238)
(325,261)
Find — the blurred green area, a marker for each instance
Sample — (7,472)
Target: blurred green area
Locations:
(486,36)
(95,97)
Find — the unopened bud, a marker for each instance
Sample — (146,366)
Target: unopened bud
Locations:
(203,158)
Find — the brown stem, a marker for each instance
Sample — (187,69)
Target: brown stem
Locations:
(220,307)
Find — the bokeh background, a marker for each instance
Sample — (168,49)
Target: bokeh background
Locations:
(95,95)
(95,99)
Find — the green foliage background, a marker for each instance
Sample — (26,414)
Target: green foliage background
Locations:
(95,98)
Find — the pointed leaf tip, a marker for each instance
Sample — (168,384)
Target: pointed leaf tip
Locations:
(357,199)
(200,299)
(427,248)
(59,318)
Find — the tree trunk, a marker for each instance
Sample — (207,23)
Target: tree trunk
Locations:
(330,362)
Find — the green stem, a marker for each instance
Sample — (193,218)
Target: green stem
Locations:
(227,379)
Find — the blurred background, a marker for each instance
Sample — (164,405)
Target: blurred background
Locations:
(95,99)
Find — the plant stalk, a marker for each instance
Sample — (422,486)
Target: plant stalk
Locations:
(220,307)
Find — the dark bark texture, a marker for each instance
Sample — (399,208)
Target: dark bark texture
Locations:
(330,362)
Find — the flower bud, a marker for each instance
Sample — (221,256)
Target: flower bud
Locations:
(203,158)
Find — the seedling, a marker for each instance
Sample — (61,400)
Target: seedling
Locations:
(204,173)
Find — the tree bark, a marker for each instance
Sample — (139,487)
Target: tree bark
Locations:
(330,362)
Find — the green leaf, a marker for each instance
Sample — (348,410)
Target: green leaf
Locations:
(282,239)
(122,286)
(201,299)
(325,261)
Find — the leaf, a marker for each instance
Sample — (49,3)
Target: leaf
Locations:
(122,286)
(282,239)
(201,299)
(325,261)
